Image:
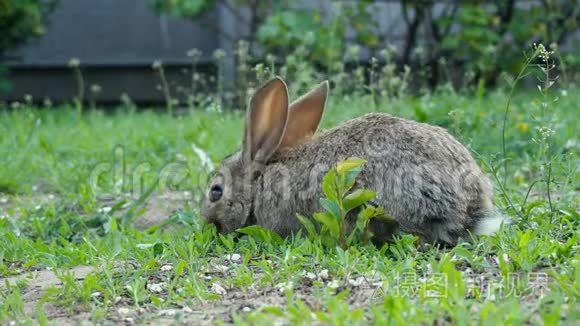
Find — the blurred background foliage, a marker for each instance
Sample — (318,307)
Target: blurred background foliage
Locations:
(20,21)
(484,37)
(445,40)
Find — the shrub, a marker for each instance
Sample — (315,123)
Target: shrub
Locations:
(20,21)
(483,37)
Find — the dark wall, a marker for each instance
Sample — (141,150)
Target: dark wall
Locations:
(116,42)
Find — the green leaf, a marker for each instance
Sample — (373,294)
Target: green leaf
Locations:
(158,249)
(308,225)
(262,234)
(349,165)
(329,185)
(357,198)
(349,179)
(273,310)
(371,212)
(180,268)
(331,207)
(329,222)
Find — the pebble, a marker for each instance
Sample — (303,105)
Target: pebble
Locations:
(323,274)
(155,287)
(333,284)
(166,267)
(356,281)
(187,310)
(310,276)
(123,311)
(218,289)
(234,257)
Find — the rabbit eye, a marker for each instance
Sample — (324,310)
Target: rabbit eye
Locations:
(215,193)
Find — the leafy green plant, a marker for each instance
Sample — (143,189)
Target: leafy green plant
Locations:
(335,227)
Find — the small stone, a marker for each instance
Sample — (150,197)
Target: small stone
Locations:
(187,310)
(235,257)
(246,309)
(96,294)
(166,267)
(167,312)
(333,284)
(155,287)
(310,276)
(282,286)
(221,268)
(123,311)
(323,274)
(130,320)
(357,281)
(218,289)
(105,209)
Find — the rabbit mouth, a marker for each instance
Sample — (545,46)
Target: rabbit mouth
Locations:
(218,225)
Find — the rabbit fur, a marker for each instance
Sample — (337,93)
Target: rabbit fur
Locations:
(423,177)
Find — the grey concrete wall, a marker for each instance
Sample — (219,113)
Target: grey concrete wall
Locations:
(116,42)
(115,32)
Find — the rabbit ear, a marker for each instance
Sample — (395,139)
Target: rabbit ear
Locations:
(304,115)
(266,120)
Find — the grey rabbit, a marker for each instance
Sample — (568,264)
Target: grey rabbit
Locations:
(426,181)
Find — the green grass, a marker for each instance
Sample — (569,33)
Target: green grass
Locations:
(58,171)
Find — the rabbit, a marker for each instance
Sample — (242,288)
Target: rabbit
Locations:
(425,180)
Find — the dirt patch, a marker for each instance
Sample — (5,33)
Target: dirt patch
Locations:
(223,307)
(153,211)
(32,286)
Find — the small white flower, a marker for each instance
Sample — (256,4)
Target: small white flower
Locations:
(157,65)
(219,54)
(194,53)
(96,88)
(74,62)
